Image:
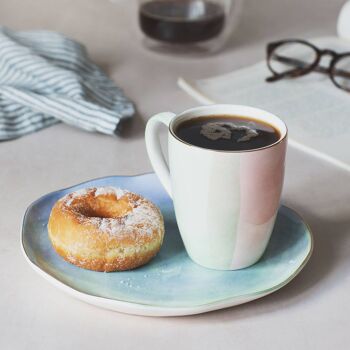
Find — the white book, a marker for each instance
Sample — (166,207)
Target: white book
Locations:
(316,112)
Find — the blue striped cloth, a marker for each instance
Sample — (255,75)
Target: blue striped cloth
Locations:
(46,78)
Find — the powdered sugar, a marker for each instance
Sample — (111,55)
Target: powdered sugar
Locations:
(142,220)
(118,192)
(99,191)
(69,198)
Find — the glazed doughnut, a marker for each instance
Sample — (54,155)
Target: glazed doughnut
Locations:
(106,229)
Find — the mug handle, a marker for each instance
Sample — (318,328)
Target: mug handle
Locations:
(154,150)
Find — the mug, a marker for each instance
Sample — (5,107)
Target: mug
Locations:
(225,202)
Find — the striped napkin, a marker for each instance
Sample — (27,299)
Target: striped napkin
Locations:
(46,78)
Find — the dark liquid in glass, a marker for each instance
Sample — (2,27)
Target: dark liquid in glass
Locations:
(181,22)
(227,133)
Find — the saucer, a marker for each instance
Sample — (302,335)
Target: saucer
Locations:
(171,284)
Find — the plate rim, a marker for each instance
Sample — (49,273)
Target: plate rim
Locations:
(149,309)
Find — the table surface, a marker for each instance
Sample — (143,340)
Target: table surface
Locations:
(311,312)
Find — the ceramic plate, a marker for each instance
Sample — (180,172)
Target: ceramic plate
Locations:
(171,284)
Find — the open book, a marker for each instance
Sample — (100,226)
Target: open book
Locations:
(316,112)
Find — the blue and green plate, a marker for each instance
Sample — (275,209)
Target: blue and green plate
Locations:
(171,284)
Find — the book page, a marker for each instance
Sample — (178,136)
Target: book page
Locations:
(316,112)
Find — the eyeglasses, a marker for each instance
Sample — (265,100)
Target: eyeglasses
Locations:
(294,58)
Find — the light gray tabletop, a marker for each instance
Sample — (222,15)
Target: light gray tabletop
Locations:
(312,312)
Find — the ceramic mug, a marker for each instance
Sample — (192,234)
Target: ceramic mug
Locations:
(225,202)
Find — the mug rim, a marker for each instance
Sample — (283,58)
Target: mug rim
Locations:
(283,133)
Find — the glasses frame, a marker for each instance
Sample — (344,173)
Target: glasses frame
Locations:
(296,72)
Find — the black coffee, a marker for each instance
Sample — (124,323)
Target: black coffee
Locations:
(181,22)
(229,133)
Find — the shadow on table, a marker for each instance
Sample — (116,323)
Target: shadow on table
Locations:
(330,225)
(132,128)
(331,232)
(329,241)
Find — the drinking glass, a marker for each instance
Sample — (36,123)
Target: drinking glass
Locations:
(187,26)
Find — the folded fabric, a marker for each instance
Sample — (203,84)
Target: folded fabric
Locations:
(46,78)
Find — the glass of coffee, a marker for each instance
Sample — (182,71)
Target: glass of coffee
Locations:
(187,26)
(225,175)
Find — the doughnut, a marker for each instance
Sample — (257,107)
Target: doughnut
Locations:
(106,229)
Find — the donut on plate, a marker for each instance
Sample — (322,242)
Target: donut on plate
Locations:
(106,229)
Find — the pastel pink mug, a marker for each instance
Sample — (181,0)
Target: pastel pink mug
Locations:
(225,202)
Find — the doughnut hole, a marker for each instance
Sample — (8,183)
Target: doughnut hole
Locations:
(103,206)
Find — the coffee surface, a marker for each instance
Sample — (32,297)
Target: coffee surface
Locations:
(181,22)
(227,133)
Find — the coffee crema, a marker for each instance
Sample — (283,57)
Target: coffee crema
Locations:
(227,133)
